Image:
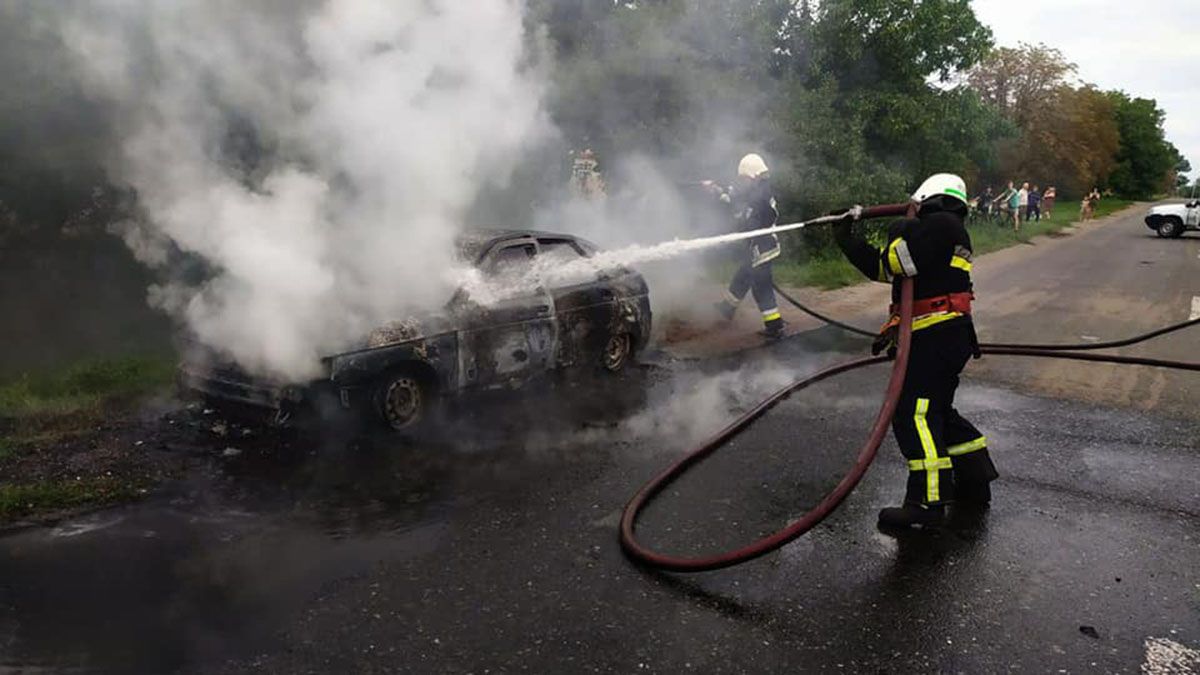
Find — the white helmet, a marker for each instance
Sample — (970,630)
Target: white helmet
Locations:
(752,166)
(942,184)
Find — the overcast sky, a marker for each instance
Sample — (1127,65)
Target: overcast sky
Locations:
(1149,48)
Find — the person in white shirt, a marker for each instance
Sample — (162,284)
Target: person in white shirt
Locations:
(1022,203)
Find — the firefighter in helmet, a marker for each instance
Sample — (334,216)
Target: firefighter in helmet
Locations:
(947,456)
(753,208)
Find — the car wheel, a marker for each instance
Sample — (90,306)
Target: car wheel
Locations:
(617,352)
(1169,228)
(403,401)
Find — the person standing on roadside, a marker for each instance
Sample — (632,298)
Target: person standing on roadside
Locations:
(1022,203)
(1034,210)
(1007,201)
(1014,206)
(1048,200)
(984,202)
(1087,208)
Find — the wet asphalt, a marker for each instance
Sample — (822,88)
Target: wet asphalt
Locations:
(495,549)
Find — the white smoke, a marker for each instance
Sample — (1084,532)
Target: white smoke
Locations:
(318,156)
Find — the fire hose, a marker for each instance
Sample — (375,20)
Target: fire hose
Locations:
(867,452)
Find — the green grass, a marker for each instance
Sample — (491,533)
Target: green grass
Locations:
(20,500)
(987,237)
(84,385)
(49,406)
(822,272)
(831,270)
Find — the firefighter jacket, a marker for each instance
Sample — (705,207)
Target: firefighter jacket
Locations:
(934,249)
(754,209)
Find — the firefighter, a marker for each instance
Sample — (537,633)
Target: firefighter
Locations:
(753,208)
(947,456)
(586,180)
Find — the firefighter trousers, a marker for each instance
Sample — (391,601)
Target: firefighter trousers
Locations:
(947,456)
(758,281)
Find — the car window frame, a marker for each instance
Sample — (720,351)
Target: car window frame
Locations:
(486,265)
(573,244)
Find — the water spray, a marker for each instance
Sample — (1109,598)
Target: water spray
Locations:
(546,273)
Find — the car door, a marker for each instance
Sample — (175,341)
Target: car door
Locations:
(585,305)
(513,338)
(1192,219)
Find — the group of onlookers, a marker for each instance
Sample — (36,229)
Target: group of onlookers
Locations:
(1018,204)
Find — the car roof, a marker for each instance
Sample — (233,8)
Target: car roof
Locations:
(473,243)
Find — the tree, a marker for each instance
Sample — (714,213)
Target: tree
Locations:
(1070,141)
(880,56)
(1067,135)
(1019,82)
(1144,159)
(897,44)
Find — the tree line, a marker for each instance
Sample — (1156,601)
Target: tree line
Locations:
(853,100)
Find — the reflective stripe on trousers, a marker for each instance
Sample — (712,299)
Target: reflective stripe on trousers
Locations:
(931,464)
(970,446)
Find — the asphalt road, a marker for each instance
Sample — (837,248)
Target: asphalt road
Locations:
(1109,280)
(494,550)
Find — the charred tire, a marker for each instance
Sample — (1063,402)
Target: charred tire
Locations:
(617,352)
(404,401)
(1170,228)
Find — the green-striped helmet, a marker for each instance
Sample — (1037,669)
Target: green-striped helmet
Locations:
(942,184)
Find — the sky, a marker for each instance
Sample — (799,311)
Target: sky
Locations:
(1148,48)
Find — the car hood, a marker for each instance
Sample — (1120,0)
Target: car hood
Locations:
(1168,209)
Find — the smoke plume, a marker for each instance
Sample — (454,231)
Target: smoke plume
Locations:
(317,157)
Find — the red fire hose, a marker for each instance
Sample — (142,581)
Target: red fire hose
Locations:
(870,447)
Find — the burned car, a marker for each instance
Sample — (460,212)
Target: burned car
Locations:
(402,371)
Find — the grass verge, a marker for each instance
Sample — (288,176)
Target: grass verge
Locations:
(831,270)
(43,468)
(84,385)
(25,499)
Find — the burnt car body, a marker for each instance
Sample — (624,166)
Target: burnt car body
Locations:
(402,369)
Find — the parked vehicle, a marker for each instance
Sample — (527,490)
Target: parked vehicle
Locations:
(401,371)
(1172,220)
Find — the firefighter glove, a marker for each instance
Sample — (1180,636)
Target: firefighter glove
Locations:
(888,336)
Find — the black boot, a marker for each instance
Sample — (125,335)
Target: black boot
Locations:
(773,330)
(910,515)
(975,495)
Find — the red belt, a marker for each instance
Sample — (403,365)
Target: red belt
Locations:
(954,302)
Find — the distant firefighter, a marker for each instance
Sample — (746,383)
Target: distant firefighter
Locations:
(586,180)
(754,208)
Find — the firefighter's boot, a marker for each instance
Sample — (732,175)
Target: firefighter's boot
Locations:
(911,516)
(773,329)
(974,495)
(973,475)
